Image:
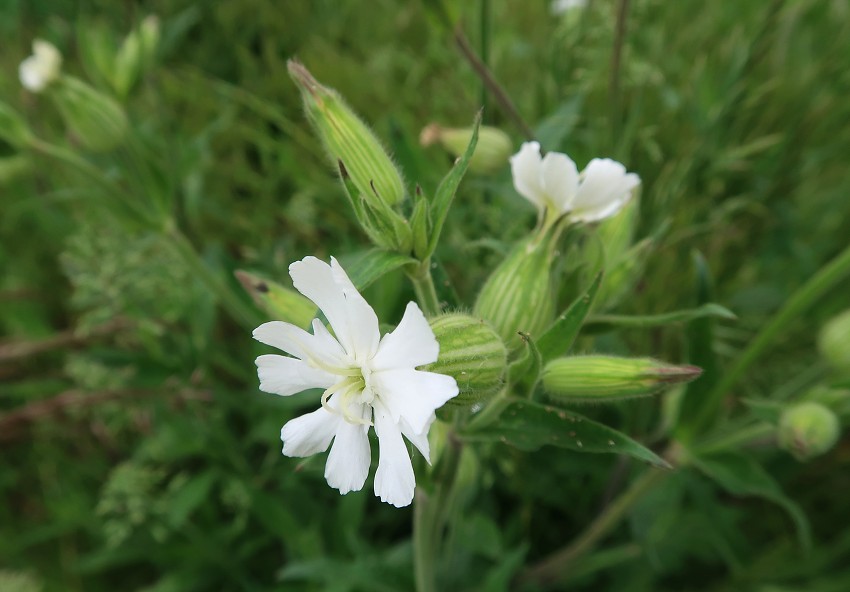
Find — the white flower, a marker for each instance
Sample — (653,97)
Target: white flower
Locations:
(561,6)
(554,185)
(366,379)
(41,68)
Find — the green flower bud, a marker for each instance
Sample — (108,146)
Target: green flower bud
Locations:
(807,430)
(280,303)
(491,153)
(349,140)
(518,294)
(134,55)
(95,119)
(470,352)
(591,379)
(834,342)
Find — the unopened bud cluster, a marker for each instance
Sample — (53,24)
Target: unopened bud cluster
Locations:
(592,379)
(834,342)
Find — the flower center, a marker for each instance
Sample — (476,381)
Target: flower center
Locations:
(353,389)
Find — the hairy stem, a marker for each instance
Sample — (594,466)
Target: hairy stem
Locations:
(423,287)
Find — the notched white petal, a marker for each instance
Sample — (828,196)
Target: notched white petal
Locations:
(354,322)
(412,343)
(284,376)
(394,479)
(413,394)
(560,180)
(348,463)
(527,174)
(309,434)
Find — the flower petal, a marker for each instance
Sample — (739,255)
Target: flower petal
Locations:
(605,188)
(354,322)
(394,479)
(560,180)
(309,434)
(418,440)
(526,170)
(411,344)
(412,394)
(286,376)
(294,340)
(350,457)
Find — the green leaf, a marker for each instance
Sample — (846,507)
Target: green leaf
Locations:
(367,266)
(189,497)
(742,475)
(528,426)
(608,322)
(559,338)
(448,186)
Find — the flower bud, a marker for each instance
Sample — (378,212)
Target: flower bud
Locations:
(807,430)
(470,352)
(135,55)
(349,140)
(95,119)
(491,153)
(278,302)
(834,342)
(518,295)
(590,379)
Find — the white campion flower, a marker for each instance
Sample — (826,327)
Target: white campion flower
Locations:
(368,380)
(41,68)
(554,185)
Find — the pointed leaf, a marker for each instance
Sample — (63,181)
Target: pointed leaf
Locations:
(528,426)
(446,191)
(607,322)
(559,338)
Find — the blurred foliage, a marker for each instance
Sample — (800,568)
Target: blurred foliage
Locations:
(169,477)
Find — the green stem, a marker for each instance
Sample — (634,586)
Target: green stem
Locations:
(430,513)
(823,281)
(235,306)
(742,437)
(423,287)
(553,569)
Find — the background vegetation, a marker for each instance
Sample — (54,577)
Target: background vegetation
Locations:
(138,453)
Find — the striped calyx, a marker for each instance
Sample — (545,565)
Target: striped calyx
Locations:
(470,352)
(591,379)
(518,295)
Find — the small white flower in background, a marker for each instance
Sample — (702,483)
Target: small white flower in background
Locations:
(561,6)
(41,68)
(367,379)
(554,185)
